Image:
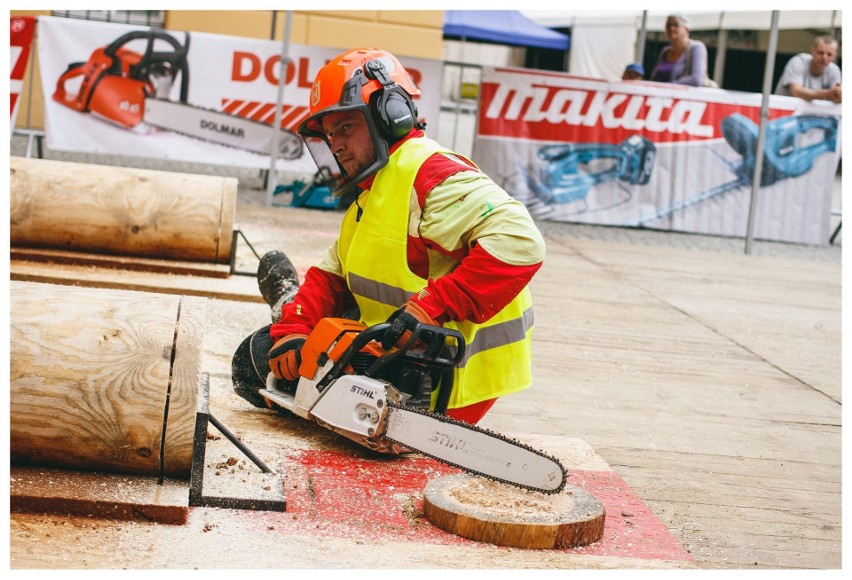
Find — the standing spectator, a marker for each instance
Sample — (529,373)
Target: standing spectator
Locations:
(813,76)
(683,61)
(633,72)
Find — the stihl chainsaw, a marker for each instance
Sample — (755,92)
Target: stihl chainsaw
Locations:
(130,88)
(380,399)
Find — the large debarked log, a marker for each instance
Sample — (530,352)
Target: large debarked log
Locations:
(121,211)
(104,380)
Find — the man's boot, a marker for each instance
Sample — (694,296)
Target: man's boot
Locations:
(278,281)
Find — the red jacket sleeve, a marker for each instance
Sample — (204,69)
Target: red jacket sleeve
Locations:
(478,289)
(322,294)
(498,251)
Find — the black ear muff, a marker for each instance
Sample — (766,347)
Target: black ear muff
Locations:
(394,111)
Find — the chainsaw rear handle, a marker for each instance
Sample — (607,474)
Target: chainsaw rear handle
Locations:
(435,339)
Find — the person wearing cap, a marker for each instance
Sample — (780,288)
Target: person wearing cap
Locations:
(815,75)
(430,238)
(683,61)
(633,72)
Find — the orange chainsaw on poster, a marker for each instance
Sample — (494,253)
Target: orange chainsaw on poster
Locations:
(130,88)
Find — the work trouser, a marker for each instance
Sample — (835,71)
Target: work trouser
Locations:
(250,366)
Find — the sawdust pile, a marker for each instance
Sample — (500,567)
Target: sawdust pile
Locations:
(507,503)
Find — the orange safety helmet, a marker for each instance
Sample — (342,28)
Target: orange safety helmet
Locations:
(369,80)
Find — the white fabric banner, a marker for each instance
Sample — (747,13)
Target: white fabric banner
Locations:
(659,156)
(225,73)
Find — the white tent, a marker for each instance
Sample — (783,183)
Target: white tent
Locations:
(604,41)
(700,19)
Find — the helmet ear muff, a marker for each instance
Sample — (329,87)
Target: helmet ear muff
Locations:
(394,111)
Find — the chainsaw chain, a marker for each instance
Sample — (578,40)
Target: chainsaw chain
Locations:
(494,434)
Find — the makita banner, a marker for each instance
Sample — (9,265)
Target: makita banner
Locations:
(136,91)
(659,156)
(21,30)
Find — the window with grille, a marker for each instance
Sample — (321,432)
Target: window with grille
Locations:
(153,18)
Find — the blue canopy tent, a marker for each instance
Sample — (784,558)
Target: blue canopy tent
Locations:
(502,27)
(506,27)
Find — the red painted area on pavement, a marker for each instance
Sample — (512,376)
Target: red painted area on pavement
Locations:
(335,494)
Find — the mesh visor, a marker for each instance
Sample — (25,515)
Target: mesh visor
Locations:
(343,177)
(333,175)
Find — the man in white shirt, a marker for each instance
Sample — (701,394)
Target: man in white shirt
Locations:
(813,76)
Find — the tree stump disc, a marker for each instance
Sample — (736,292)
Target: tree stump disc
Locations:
(488,511)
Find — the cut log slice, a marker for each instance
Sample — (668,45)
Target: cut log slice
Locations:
(487,511)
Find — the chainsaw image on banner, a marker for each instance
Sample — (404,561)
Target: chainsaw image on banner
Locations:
(131,89)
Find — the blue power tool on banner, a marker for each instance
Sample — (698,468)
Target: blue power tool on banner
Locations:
(791,145)
(313,194)
(562,181)
(783,155)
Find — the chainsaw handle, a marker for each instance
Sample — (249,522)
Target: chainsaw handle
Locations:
(177,59)
(149,35)
(434,337)
(60,94)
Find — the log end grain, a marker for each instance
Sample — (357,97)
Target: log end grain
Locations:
(487,511)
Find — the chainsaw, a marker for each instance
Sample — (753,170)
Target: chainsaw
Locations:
(130,89)
(381,399)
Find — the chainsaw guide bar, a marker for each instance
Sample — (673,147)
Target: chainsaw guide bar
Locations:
(484,452)
(221,128)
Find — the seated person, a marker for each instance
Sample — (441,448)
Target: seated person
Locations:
(633,72)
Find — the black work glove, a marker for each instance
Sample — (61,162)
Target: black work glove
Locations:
(402,323)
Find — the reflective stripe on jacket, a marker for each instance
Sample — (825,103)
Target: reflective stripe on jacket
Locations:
(372,252)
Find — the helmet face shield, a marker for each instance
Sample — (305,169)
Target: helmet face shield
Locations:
(361,103)
(345,146)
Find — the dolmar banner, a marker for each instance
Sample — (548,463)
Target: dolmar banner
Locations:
(184,96)
(660,156)
(21,30)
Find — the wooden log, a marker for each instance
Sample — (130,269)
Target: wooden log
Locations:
(103,379)
(486,511)
(239,288)
(121,211)
(125,263)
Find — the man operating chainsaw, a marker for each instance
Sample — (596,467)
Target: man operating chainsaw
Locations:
(429,239)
